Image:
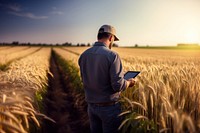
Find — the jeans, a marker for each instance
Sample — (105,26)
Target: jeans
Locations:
(104,119)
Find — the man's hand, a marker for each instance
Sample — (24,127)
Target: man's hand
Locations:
(131,82)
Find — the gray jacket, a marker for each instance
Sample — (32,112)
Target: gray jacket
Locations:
(101,73)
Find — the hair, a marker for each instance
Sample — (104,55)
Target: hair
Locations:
(103,35)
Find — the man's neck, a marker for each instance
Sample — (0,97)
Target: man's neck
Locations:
(106,42)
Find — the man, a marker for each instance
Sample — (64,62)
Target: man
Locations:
(103,80)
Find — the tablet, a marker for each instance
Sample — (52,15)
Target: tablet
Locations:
(131,74)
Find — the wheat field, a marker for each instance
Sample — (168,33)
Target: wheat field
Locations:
(166,96)
(26,77)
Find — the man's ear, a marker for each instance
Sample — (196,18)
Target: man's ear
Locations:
(110,38)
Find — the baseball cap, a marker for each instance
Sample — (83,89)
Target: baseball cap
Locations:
(109,29)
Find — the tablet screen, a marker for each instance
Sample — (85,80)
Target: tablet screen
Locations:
(131,74)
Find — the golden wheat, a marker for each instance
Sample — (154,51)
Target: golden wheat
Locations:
(29,73)
(19,85)
(168,90)
(67,55)
(16,52)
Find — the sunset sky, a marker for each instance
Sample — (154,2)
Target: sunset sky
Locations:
(142,22)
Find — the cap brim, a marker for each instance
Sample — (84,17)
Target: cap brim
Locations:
(116,39)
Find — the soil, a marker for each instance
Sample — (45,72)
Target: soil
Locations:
(59,105)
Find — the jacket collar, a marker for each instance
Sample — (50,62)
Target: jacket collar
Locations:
(99,44)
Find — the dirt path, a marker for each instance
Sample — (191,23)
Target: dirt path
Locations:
(59,105)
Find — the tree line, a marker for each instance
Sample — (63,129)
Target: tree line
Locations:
(16,43)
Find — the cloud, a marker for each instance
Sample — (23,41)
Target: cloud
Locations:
(57,12)
(15,7)
(28,15)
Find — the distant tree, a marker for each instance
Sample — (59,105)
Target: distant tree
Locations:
(67,44)
(82,44)
(88,44)
(15,43)
(187,44)
(78,44)
(136,45)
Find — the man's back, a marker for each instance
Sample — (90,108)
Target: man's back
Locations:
(101,72)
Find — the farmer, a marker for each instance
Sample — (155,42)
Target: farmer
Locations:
(103,80)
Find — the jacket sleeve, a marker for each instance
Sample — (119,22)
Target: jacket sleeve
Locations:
(116,75)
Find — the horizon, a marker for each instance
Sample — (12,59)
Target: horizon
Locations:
(145,22)
(179,45)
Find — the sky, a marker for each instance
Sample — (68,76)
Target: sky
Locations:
(142,22)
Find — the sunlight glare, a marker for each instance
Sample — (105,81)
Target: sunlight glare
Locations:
(192,37)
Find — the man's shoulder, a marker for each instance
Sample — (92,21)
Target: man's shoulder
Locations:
(111,53)
(104,51)
(87,51)
(108,52)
